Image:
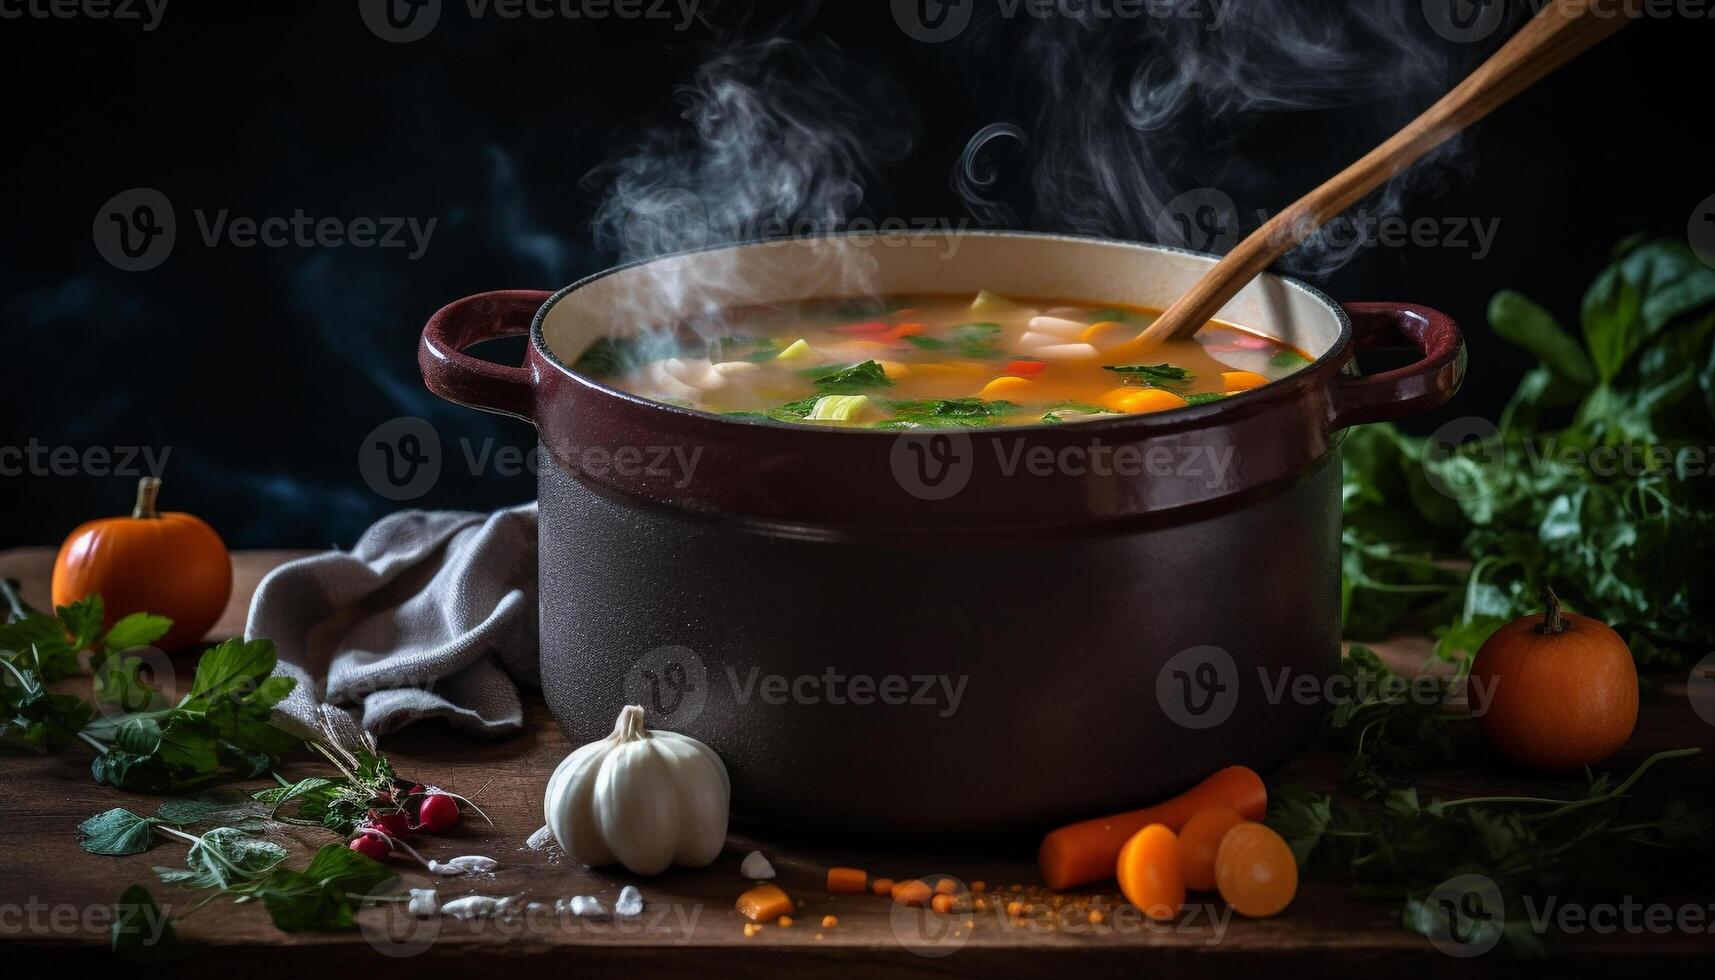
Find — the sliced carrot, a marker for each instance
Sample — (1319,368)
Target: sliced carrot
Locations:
(1003,386)
(1256,871)
(1025,369)
(1198,842)
(1140,400)
(882,886)
(903,331)
(913,892)
(1084,852)
(946,886)
(942,903)
(1103,330)
(847,880)
(1242,380)
(763,902)
(1149,873)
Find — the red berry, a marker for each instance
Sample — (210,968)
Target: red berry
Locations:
(372,846)
(393,823)
(438,813)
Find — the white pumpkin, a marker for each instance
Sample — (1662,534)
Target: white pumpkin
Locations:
(644,799)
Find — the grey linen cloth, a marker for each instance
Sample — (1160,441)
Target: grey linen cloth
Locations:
(432,614)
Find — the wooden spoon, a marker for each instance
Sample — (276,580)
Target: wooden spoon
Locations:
(1561,31)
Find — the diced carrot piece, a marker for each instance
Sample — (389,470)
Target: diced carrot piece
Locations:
(1242,380)
(829,921)
(785,921)
(882,886)
(1256,871)
(942,903)
(1102,331)
(847,880)
(1003,386)
(765,901)
(979,887)
(1025,369)
(946,886)
(1140,400)
(1150,874)
(913,892)
(1198,842)
(751,929)
(903,331)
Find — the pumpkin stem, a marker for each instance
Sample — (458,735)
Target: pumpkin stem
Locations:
(629,727)
(1552,621)
(148,488)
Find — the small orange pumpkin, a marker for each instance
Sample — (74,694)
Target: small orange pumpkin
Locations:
(1555,692)
(170,564)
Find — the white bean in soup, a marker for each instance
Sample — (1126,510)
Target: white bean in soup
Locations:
(934,361)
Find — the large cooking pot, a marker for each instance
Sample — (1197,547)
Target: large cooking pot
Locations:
(975,630)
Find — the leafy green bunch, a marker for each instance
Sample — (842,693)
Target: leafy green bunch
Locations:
(1595,480)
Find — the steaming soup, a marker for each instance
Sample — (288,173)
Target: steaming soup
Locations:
(935,362)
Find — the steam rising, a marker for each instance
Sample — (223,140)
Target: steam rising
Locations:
(1137,127)
(775,139)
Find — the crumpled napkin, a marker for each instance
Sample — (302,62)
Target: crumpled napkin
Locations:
(432,614)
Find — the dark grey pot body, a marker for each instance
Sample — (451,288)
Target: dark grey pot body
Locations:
(1036,679)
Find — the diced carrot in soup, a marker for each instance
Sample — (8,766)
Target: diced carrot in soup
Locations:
(932,361)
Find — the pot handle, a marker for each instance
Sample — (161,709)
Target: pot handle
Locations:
(457,376)
(1416,387)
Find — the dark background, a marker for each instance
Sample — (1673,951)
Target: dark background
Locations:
(263,368)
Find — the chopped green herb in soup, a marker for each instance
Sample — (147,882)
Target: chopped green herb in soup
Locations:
(925,362)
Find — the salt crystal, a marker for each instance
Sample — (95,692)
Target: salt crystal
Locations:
(630,901)
(756,867)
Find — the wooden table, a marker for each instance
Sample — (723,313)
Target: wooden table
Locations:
(55,899)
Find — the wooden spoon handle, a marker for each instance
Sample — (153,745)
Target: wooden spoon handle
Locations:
(1559,32)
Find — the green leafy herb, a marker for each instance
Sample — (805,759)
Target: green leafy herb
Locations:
(117,832)
(219,730)
(850,380)
(1600,846)
(141,932)
(610,357)
(927,343)
(367,781)
(1152,375)
(32,717)
(980,341)
(1392,724)
(1601,504)
(1289,359)
(1204,397)
(945,413)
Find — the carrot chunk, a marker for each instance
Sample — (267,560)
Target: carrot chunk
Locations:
(914,892)
(1242,380)
(946,886)
(1256,871)
(1149,872)
(847,880)
(942,903)
(829,921)
(763,902)
(882,886)
(1199,841)
(1084,852)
